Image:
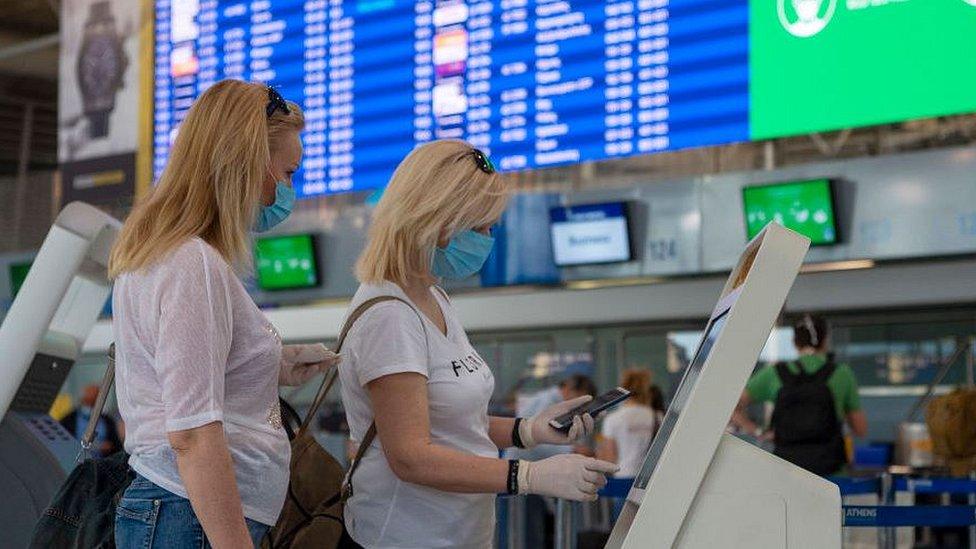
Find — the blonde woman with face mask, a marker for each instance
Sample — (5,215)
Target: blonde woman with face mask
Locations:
(198,365)
(430,477)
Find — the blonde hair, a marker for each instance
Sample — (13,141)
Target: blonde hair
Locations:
(638,382)
(438,186)
(212,184)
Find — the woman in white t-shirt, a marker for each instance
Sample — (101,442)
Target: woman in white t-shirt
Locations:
(431,476)
(198,365)
(627,431)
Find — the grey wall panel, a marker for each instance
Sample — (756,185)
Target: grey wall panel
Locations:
(671,242)
(891,207)
(893,286)
(900,206)
(909,285)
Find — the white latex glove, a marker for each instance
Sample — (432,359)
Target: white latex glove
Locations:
(300,363)
(567,476)
(536,429)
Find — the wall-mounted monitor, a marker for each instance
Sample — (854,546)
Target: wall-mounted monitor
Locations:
(287,262)
(591,234)
(806,207)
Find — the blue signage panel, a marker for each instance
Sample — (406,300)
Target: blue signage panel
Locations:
(535,83)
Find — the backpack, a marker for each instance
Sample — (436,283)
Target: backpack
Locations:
(806,429)
(82,513)
(318,487)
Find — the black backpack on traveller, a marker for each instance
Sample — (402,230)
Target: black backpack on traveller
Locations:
(807,431)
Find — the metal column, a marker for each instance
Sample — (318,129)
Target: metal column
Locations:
(565,524)
(23,164)
(887,535)
(516,522)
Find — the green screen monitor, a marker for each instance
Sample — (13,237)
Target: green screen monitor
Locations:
(806,207)
(18,273)
(287,262)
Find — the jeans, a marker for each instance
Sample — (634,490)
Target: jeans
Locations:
(149,517)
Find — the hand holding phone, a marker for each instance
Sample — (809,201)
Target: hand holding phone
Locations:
(594,407)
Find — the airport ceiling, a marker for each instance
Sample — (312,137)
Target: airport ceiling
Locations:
(28,81)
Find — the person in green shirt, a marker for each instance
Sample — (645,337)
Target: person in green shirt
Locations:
(810,336)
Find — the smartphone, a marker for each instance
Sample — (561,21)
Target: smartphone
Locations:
(593,407)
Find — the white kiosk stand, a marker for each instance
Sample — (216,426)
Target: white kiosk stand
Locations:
(701,488)
(40,339)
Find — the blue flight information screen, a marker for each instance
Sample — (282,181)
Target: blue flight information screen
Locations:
(534,83)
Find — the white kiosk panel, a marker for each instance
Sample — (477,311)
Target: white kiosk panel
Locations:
(699,487)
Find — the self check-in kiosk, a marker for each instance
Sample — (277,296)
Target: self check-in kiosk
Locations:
(702,488)
(40,340)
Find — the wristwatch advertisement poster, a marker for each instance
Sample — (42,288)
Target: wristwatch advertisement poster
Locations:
(99,98)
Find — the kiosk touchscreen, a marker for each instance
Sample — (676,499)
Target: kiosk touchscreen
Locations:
(702,488)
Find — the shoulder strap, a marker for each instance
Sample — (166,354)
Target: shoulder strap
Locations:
(333,373)
(346,491)
(787,376)
(827,370)
(107,380)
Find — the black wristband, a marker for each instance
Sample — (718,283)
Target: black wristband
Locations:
(516,437)
(512,487)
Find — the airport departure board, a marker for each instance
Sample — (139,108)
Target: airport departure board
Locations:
(540,83)
(534,83)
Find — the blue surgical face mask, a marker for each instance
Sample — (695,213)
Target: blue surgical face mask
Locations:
(269,216)
(464,255)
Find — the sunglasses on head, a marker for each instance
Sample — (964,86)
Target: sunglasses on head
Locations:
(276,103)
(482,161)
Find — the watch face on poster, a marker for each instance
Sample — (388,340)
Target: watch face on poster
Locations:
(100,66)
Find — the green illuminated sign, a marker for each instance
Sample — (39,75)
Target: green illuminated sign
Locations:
(286,262)
(806,207)
(818,65)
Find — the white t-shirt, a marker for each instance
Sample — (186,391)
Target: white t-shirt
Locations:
(632,428)
(391,337)
(192,348)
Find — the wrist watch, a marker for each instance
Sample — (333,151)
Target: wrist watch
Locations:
(101,64)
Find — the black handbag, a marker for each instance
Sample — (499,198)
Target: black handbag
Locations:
(82,513)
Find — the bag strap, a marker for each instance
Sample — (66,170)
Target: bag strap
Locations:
(107,380)
(825,371)
(786,375)
(346,491)
(333,374)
